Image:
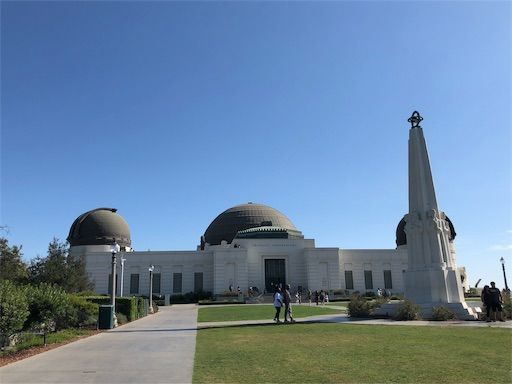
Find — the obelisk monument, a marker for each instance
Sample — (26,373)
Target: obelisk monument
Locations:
(432,278)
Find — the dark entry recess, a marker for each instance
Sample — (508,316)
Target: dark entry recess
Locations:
(275,273)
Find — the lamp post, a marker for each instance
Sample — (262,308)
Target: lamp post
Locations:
(114,248)
(151,269)
(122,276)
(502,260)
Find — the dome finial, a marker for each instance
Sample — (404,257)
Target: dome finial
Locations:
(415,119)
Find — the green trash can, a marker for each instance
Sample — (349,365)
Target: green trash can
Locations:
(106,317)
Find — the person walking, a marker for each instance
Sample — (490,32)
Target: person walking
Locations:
(486,300)
(278,303)
(287,304)
(496,301)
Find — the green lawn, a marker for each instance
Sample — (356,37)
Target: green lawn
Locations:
(258,312)
(342,353)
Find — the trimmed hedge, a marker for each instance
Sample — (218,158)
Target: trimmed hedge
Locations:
(131,307)
(190,297)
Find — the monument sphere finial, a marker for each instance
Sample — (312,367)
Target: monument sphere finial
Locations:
(415,119)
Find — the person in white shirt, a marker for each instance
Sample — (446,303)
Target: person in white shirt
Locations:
(278,303)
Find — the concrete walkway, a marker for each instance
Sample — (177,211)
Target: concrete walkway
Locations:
(343,318)
(156,349)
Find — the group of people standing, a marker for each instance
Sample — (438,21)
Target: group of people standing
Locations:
(282,298)
(492,299)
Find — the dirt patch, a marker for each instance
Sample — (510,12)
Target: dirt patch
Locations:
(23,354)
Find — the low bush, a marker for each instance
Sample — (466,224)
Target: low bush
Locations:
(121,318)
(379,302)
(142,307)
(442,314)
(191,297)
(358,307)
(79,313)
(369,294)
(407,310)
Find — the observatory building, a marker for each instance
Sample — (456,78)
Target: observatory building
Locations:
(252,245)
(249,245)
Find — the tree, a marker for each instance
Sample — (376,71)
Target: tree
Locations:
(11,265)
(61,268)
(13,310)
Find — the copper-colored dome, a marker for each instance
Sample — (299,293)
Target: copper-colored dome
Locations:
(101,226)
(242,217)
(401,236)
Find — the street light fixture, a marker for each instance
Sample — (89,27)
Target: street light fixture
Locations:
(114,249)
(151,269)
(502,260)
(122,276)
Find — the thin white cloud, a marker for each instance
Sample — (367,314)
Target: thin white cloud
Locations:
(501,247)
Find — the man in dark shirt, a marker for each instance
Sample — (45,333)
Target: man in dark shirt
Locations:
(495,301)
(287,304)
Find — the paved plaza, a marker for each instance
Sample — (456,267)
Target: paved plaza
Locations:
(156,349)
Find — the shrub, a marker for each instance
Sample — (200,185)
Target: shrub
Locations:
(379,302)
(121,318)
(229,294)
(507,305)
(125,305)
(13,310)
(407,310)
(369,294)
(47,305)
(191,297)
(358,307)
(79,313)
(142,307)
(442,314)
(472,292)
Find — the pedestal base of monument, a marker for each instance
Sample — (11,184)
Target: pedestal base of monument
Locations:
(461,310)
(433,285)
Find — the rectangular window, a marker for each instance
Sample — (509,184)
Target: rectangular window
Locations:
(388,283)
(176,282)
(368,280)
(198,281)
(349,280)
(156,282)
(134,283)
(110,284)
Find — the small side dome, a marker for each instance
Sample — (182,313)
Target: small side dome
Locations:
(401,236)
(101,226)
(243,217)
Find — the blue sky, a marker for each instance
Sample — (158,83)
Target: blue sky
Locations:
(173,112)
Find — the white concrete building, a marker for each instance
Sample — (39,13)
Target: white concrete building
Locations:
(253,245)
(249,245)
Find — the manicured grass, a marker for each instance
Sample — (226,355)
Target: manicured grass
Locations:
(257,312)
(342,353)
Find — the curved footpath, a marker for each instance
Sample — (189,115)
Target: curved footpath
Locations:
(156,349)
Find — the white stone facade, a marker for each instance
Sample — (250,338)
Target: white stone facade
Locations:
(242,264)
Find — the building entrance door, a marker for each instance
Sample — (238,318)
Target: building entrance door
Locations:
(275,273)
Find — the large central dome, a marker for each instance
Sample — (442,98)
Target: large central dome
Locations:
(242,217)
